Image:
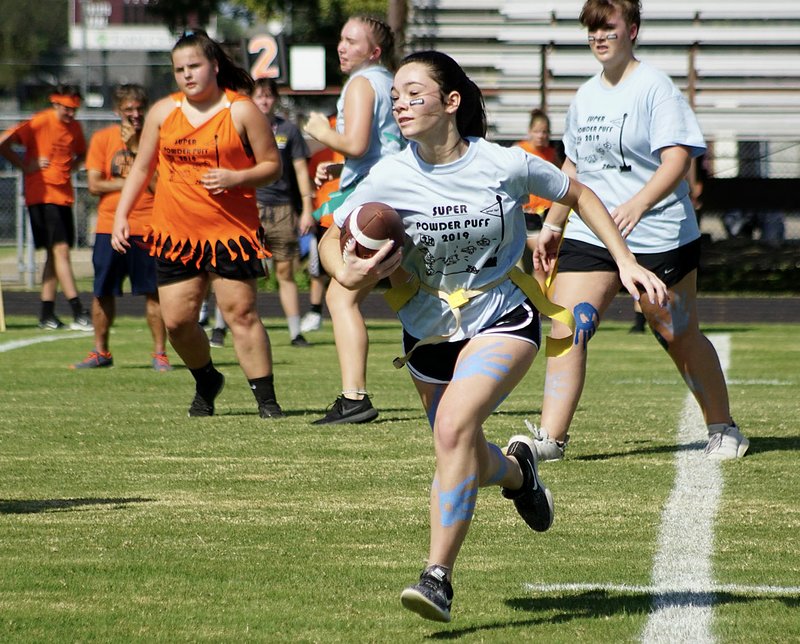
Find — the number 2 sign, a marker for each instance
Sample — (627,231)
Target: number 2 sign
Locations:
(267,62)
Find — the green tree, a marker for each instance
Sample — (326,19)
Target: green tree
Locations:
(32,41)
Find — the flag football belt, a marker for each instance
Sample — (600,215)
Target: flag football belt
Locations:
(398,296)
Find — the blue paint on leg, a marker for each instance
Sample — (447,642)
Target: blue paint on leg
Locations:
(484,362)
(457,504)
(586,320)
(437,398)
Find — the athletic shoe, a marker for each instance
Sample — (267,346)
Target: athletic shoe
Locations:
(547,449)
(300,341)
(161,362)
(728,444)
(344,410)
(94,360)
(533,500)
(270,410)
(51,323)
(312,321)
(218,338)
(432,597)
(82,322)
(205,406)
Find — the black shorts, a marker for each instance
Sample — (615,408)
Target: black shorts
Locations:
(170,271)
(51,224)
(435,363)
(671,266)
(111,268)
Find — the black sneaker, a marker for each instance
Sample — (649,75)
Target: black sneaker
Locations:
(217,338)
(432,597)
(533,500)
(52,323)
(204,406)
(300,341)
(270,410)
(345,410)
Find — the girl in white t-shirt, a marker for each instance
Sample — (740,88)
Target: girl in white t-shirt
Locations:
(630,136)
(461,201)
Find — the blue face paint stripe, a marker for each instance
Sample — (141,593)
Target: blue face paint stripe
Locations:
(502,465)
(457,504)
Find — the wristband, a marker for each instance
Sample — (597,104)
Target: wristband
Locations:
(553,227)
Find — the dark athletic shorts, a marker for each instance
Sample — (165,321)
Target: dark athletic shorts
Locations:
(671,266)
(533,222)
(111,268)
(435,362)
(51,224)
(169,271)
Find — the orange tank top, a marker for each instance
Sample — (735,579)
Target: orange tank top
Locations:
(187,215)
(536,204)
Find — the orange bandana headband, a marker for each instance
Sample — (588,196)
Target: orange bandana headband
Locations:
(67,101)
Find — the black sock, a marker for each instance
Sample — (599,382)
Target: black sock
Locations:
(48,309)
(639,321)
(75,305)
(207,380)
(263,389)
(316,308)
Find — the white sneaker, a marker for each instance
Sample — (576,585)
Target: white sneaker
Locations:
(728,444)
(547,449)
(311,321)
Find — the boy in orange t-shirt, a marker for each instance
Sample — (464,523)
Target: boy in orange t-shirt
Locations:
(110,157)
(54,147)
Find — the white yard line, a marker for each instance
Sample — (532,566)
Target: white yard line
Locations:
(683,587)
(18,344)
(682,576)
(734,589)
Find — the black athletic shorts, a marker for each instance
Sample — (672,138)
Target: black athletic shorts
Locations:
(435,363)
(170,271)
(51,224)
(671,266)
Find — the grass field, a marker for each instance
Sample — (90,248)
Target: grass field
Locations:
(123,520)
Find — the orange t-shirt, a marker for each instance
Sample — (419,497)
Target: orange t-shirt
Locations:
(536,204)
(185,213)
(109,156)
(44,135)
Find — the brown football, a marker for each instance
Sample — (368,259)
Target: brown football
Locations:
(372,225)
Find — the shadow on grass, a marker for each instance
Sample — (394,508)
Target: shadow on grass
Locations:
(34,506)
(758,445)
(560,608)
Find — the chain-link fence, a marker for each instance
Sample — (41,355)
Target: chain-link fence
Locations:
(751,188)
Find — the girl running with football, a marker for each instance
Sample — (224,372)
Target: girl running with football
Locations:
(470,324)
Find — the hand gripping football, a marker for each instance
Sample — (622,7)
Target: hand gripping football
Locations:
(372,225)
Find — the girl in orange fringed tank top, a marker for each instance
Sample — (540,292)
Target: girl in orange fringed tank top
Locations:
(211,147)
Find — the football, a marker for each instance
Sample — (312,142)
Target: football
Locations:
(372,225)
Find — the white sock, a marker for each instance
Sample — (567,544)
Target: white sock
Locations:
(294,325)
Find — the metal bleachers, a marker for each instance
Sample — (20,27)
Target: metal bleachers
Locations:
(736,60)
